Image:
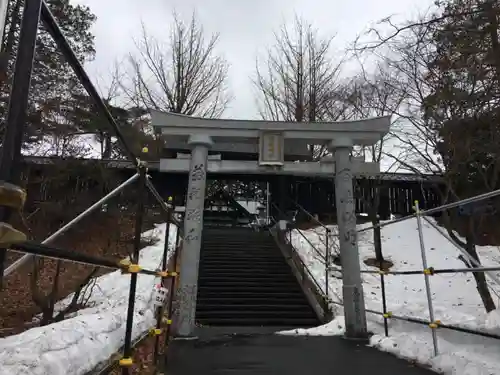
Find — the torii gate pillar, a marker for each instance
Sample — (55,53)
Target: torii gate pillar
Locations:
(352,283)
(193,227)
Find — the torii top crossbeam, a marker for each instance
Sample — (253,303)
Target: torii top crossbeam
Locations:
(359,132)
(277,143)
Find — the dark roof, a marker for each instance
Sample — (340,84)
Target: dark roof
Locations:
(389,176)
(154,165)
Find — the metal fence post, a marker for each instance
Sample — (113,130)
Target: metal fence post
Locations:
(160,310)
(384,302)
(18,107)
(171,296)
(166,245)
(379,256)
(426,277)
(327,268)
(386,315)
(127,361)
(268,204)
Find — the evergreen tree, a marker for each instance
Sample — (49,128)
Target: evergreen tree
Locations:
(54,85)
(464,109)
(133,122)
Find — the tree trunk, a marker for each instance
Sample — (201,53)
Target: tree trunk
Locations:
(11,28)
(482,285)
(377,241)
(107,146)
(470,247)
(45,303)
(375,219)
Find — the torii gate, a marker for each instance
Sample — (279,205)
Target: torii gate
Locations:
(270,139)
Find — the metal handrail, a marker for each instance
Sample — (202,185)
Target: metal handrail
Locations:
(328,230)
(323,256)
(317,251)
(313,279)
(166,208)
(311,216)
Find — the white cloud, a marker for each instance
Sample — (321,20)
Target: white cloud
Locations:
(245,27)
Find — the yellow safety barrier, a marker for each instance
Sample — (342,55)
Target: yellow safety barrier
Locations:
(126,362)
(12,195)
(10,235)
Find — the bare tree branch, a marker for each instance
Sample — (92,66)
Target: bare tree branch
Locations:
(298,80)
(430,18)
(183,75)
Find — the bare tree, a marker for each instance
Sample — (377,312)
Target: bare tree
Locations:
(405,56)
(372,95)
(299,80)
(47,301)
(410,51)
(182,75)
(62,193)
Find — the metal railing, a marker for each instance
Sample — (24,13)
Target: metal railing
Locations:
(303,265)
(323,256)
(10,176)
(127,267)
(164,314)
(428,271)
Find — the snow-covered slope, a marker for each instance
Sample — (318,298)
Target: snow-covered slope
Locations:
(455,299)
(76,345)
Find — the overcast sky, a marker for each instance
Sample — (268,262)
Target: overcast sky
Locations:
(245,27)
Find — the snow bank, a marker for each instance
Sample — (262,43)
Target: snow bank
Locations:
(454,296)
(76,345)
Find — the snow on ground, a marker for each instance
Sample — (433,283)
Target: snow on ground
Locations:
(76,345)
(454,296)
(250,206)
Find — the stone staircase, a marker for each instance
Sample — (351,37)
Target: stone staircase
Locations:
(244,280)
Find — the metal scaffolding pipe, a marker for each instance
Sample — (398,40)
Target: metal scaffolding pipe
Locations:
(163,205)
(64,46)
(464,253)
(431,211)
(18,263)
(17,111)
(69,255)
